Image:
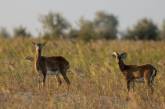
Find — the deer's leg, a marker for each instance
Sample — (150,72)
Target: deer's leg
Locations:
(152,77)
(128,88)
(44,78)
(152,89)
(133,85)
(63,72)
(149,86)
(128,85)
(39,76)
(66,79)
(59,80)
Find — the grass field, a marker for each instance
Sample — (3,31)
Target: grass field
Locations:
(96,81)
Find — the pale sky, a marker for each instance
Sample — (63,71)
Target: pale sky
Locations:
(26,12)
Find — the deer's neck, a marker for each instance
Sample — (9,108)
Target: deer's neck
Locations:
(38,55)
(37,59)
(121,65)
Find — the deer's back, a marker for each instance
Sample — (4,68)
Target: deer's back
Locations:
(140,71)
(56,62)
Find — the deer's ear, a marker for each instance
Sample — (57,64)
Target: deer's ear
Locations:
(123,55)
(114,54)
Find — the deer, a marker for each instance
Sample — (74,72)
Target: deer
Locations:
(133,73)
(54,65)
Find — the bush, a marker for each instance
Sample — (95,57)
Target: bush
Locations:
(144,30)
(106,25)
(54,24)
(4,33)
(86,30)
(21,32)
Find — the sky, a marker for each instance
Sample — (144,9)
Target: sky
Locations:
(26,12)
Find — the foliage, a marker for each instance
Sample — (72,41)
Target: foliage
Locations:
(106,25)
(73,33)
(162,31)
(54,24)
(103,26)
(86,30)
(145,29)
(21,31)
(4,33)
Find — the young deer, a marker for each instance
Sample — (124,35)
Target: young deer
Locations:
(133,73)
(54,65)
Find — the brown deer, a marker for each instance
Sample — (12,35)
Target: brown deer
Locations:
(55,65)
(133,73)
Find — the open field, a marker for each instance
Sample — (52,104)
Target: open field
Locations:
(96,81)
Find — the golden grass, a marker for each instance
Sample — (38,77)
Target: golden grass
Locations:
(96,81)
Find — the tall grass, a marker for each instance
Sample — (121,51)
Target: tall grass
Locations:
(96,81)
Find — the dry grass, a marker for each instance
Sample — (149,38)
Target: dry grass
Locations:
(96,82)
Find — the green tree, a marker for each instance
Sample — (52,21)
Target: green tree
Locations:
(162,31)
(86,31)
(145,29)
(21,31)
(4,33)
(73,33)
(106,25)
(54,24)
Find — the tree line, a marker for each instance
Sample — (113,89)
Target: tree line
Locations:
(103,26)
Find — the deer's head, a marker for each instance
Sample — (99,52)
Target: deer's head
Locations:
(119,56)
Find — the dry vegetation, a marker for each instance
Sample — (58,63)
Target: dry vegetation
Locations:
(96,82)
